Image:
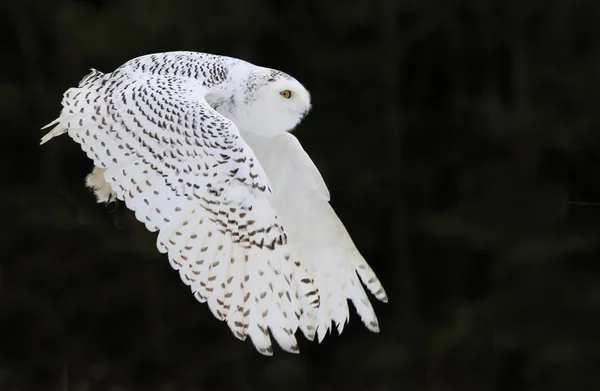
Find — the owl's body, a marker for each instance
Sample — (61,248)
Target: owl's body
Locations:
(197,145)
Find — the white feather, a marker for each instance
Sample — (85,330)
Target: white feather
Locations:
(316,233)
(163,133)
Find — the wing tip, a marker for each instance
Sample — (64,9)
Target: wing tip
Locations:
(265,351)
(295,349)
(373,326)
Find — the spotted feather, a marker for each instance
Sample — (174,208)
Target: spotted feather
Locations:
(196,145)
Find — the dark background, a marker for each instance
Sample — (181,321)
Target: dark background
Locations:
(453,136)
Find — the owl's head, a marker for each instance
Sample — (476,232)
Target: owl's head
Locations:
(269,102)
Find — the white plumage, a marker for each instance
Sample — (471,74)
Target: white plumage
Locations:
(197,145)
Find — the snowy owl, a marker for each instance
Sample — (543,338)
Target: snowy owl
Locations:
(199,147)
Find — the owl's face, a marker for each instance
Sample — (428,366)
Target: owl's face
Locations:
(272,104)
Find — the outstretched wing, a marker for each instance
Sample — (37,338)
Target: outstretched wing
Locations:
(316,233)
(187,173)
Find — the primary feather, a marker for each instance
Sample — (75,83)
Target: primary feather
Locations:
(197,146)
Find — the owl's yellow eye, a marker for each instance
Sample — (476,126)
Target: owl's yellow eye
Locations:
(287,94)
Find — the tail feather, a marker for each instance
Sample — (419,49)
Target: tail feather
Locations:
(57,131)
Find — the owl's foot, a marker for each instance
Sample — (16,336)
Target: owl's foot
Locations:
(101,189)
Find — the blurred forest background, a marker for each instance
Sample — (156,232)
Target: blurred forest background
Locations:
(453,136)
